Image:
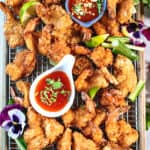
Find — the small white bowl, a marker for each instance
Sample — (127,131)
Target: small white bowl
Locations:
(65,65)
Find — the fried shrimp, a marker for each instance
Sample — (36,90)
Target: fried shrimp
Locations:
(54,15)
(113,98)
(13,29)
(82,143)
(125,74)
(22,65)
(65,142)
(24,88)
(81,64)
(102,57)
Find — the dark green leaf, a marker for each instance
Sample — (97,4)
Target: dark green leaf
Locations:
(21,143)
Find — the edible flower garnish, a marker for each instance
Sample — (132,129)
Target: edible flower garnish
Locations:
(12,119)
(135,31)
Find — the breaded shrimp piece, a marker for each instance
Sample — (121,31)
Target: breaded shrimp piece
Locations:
(87,80)
(93,130)
(112,8)
(28,34)
(68,118)
(128,135)
(34,119)
(80,50)
(38,143)
(125,74)
(24,88)
(48,2)
(58,50)
(54,15)
(111,126)
(81,82)
(82,63)
(125,11)
(113,98)
(52,128)
(22,65)
(108,76)
(82,143)
(13,29)
(13,3)
(66,140)
(44,43)
(102,57)
(85,114)
(100,28)
(31,133)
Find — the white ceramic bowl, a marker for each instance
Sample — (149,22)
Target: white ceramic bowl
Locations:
(65,65)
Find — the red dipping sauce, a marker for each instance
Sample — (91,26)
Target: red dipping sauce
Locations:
(53,91)
(84,10)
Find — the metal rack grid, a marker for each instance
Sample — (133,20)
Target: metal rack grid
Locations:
(42,65)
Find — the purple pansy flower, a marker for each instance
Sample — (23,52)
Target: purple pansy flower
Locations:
(12,119)
(135,30)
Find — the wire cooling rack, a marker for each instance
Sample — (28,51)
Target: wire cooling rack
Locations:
(42,65)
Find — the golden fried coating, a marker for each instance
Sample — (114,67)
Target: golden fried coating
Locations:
(54,15)
(81,82)
(22,65)
(113,98)
(68,118)
(92,130)
(31,133)
(38,143)
(13,29)
(113,146)
(128,135)
(44,43)
(120,131)
(125,11)
(125,74)
(66,140)
(81,33)
(13,3)
(58,50)
(82,143)
(29,36)
(99,28)
(33,118)
(52,128)
(112,25)
(111,126)
(108,76)
(81,63)
(112,8)
(48,2)
(85,114)
(80,50)
(87,80)
(98,80)
(24,88)
(102,57)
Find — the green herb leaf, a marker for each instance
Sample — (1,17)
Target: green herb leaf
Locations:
(57,85)
(78,9)
(53,99)
(50,81)
(99,6)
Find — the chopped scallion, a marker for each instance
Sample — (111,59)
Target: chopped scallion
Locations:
(137,91)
